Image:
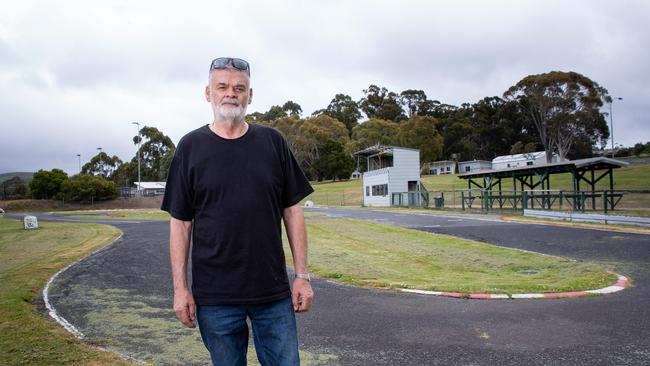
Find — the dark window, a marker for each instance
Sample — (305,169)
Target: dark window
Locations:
(367,191)
(468,169)
(380,190)
(529,163)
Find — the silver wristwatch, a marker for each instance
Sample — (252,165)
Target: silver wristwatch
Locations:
(304,276)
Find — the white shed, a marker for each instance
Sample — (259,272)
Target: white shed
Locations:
(151,188)
(521,160)
(393,176)
(442,167)
(473,166)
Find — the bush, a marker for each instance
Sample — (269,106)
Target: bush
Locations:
(88,188)
(14,188)
(47,184)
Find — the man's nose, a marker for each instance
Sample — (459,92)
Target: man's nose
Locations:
(230,92)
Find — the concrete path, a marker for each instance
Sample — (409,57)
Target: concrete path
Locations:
(121,298)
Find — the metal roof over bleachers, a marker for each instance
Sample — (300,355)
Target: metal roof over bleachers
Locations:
(534,180)
(598,163)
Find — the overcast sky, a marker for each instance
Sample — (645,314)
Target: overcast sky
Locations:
(75,74)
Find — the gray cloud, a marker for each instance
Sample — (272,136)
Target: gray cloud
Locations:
(74,75)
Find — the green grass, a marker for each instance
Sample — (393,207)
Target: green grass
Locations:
(134,214)
(27,260)
(366,253)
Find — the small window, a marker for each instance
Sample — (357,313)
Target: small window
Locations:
(448,169)
(380,190)
(468,169)
(529,163)
(367,191)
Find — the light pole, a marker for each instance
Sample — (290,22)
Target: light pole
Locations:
(611,123)
(139,141)
(79,157)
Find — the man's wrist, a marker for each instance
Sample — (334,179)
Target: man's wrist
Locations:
(303,276)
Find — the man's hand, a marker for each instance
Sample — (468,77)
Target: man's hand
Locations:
(301,295)
(185,308)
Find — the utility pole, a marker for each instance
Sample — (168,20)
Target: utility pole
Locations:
(611,123)
(79,158)
(139,142)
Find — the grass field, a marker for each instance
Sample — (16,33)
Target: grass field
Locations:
(634,177)
(27,260)
(366,253)
(134,214)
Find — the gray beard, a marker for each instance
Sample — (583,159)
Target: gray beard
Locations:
(229,113)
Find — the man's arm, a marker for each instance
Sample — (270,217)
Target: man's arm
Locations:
(294,222)
(179,246)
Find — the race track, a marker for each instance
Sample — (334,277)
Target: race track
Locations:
(120,298)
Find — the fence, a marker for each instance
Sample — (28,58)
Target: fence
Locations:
(632,202)
(626,202)
(343,197)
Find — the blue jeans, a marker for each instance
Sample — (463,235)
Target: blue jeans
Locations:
(225,333)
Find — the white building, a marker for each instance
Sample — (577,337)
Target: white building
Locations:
(442,167)
(151,188)
(472,166)
(521,160)
(393,176)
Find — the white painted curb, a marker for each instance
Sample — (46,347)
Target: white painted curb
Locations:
(620,285)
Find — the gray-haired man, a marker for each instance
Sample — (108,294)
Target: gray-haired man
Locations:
(230,185)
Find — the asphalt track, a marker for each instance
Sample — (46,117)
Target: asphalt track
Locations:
(353,326)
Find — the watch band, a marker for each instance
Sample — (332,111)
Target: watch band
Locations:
(304,276)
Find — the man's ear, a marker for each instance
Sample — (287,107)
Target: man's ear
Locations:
(250,95)
(207,93)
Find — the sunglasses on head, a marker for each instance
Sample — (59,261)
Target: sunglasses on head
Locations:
(223,62)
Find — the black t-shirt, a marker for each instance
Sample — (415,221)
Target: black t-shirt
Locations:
(235,191)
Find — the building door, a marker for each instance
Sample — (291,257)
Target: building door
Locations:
(413,193)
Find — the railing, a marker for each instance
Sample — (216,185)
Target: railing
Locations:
(634,202)
(410,199)
(372,173)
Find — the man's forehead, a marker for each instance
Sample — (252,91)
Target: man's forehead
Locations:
(229,77)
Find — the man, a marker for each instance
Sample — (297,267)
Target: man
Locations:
(229,186)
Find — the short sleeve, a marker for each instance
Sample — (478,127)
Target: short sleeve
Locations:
(178,199)
(296,185)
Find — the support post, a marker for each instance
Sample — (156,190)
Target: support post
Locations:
(524,200)
(462,200)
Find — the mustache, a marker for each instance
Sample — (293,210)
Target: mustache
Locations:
(230,101)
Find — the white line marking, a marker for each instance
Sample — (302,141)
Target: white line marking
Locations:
(46,298)
(423,292)
(606,290)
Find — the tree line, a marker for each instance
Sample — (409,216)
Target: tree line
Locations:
(558,112)
(100,177)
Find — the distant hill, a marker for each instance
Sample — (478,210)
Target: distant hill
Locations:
(26,176)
